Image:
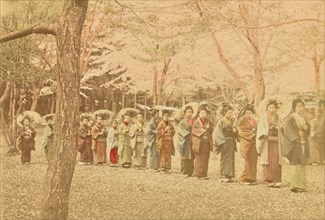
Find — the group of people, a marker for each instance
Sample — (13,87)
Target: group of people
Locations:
(129,144)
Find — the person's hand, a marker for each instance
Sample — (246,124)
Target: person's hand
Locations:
(234,130)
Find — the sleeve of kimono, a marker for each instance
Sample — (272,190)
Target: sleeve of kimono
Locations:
(82,132)
(290,136)
(47,132)
(219,137)
(21,132)
(132,131)
(122,130)
(33,133)
(261,134)
(197,129)
(150,129)
(110,138)
(182,131)
(95,132)
(243,132)
(160,130)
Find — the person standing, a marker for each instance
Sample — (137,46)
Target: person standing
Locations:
(99,145)
(316,138)
(268,147)
(124,144)
(138,143)
(47,142)
(296,146)
(247,133)
(85,142)
(184,134)
(202,144)
(26,136)
(165,143)
(225,142)
(151,137)
(112,143)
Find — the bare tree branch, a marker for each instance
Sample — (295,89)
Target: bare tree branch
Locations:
(37,29)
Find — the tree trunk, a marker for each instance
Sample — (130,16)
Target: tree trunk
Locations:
(154,86)
(316,72)
(36,93)
(55,202)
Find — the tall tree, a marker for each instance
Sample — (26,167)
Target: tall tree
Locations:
(67,29)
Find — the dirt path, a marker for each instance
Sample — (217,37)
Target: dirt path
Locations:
(101,192)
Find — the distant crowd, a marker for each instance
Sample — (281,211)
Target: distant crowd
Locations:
(128,144)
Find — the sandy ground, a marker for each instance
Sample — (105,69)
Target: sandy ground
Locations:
(102,192)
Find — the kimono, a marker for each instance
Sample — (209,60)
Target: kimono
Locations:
(124,145)
(84,144)
(165,144)
(316,140)
(112,144)
(47,142)
(225,142)
(138,145)
(26,136)
(247,132)
(99,134)
(185,146)
(151,141)
(296,149)
(202,145)
(269,148)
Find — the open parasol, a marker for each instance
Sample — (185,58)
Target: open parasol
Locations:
(104,113)
(35,118)
(285,103)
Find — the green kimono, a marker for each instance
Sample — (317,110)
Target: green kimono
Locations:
(124,145)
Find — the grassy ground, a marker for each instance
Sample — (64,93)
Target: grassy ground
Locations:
(101,192)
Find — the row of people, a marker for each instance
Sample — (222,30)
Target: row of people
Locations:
(128,144)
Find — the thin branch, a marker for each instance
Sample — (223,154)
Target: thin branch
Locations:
(140,19)
(37,29)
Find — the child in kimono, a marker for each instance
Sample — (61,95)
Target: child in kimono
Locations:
(26,135)
(124,142)
(112,144)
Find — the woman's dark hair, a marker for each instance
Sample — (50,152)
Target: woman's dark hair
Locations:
(153,112)
(250,108)
(114,120)
(295,103)
(84,117)
(272,102)
(226,108)
(24,118)
(202,108)
(188,108)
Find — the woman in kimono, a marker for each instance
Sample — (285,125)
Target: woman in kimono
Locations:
(26,136)
(112,143)
(202,144)
(151,139)
(99,145)
(138,143)
(316,138)
(47,142)
(268,147)
(296,146)
(85,142)
(247,133)
(184,134)
(124,145)
(165,144)
(225,142)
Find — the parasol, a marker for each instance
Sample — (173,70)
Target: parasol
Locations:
(285,103)
(35,118)
(104,113)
